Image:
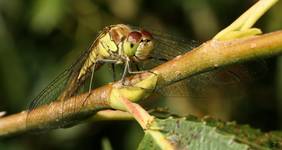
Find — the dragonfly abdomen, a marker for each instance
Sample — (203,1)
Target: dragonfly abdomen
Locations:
(87,64)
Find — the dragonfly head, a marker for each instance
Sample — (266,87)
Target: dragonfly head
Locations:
(138,45)
(145,47)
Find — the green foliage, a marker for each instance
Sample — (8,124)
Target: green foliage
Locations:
(207,133)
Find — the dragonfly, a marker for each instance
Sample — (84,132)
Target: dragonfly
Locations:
(118,45)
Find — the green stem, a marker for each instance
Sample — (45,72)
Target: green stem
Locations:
(246,20)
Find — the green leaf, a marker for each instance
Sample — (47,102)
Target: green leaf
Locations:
(193,133)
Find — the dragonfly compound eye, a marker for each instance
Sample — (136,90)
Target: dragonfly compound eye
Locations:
(131,43)
(147,34)
(134,37)
(146,46)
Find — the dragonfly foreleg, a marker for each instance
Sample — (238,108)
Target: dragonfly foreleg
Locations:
(108,61)
(137,67)
(114,71)
(92,75)
(138,70)
(127,69)
(94,66)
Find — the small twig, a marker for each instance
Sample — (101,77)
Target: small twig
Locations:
(242,26)
(141,115)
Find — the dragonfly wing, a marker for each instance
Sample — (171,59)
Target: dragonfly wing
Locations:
(54,92)
(46,96)
(51,92)
(168,47)
(194,87)
(228,80)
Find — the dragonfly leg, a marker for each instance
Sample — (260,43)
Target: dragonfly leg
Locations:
(138,70)
(108,61)
(113,62)
(92,75)
(125,71)
(137,67)
(114,71)
(93,69)
(159,59)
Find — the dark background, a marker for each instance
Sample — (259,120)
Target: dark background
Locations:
(39,38)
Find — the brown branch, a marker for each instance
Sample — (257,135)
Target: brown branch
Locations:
(214,54)
(44,116)
(208,56)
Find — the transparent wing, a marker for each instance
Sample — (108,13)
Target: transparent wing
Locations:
(53,92)
(225,80)
(168,47)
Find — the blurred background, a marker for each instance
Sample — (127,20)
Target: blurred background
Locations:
(40,38)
